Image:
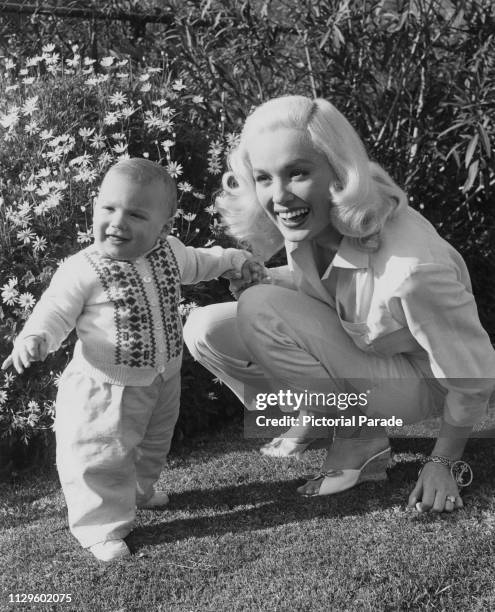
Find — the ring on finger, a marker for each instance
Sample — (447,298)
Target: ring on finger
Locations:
(450,498)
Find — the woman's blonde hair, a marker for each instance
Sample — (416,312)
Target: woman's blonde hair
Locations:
(362,199)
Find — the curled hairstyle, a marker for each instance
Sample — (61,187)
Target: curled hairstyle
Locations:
(362,198)
(144,172)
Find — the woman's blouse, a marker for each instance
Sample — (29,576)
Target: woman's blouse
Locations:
(413,295)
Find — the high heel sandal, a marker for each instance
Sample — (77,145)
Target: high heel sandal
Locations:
(285,447)
(335,481)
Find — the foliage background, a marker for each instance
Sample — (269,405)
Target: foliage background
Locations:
(415,77)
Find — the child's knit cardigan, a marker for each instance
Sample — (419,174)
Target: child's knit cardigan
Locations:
(126,312)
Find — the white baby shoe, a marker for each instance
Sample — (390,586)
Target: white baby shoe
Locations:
(110,550)
(157,500)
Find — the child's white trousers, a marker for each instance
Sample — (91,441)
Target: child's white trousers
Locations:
(112,443)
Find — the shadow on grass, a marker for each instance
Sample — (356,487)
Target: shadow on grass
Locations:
(264,505)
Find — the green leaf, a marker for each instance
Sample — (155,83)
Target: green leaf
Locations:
(471,149)
(472,174)
(485,140)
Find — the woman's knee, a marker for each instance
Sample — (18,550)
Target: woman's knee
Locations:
(255,308)
(196,332)
(205,328)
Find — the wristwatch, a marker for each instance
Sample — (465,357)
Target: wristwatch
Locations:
(460,470)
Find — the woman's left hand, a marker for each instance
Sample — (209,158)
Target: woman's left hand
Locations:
(435,490)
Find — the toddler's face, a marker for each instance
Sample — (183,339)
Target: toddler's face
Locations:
(129,217)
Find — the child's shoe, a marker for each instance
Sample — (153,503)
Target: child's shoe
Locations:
(157,500)
(110,550)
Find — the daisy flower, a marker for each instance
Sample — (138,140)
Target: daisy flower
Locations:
(174,169)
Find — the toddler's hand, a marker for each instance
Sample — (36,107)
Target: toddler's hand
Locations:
(25,352)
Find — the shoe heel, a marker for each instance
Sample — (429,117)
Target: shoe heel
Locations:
(375,470)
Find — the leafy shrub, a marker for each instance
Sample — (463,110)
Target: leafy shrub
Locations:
(63,123)
(416,78)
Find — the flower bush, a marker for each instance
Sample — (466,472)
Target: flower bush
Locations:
(63,122)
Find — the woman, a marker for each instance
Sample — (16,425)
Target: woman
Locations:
(372,301)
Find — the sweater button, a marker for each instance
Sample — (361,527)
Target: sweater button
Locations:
(161,369)
(147,279)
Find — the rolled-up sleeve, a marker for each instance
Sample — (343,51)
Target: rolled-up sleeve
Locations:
(441,314)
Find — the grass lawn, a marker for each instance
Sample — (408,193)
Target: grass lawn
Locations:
(237,537)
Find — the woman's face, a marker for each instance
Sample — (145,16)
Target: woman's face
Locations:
(292,182)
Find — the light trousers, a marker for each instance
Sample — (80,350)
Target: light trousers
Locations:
(112,443)
(278,338)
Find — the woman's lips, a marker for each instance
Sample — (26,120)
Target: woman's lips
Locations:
(293,217)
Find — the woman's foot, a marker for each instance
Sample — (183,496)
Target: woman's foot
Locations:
(348,462)
(296,440)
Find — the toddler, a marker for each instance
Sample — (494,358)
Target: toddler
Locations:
(118,398)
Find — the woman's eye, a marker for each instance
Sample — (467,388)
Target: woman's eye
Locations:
(298,172)
(108,208)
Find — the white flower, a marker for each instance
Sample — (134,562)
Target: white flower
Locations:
(200,196)
(144,77)
(145,87)
(33,405)
(174,169)
(107,61)
(28,80)
(120,147)
(85,237)
(88,61)
(118,136)
(110,118)
(210,209)
(184,186)
(159,103)
(9,292)
(214,166)
(81,160)
(11,88)
(74,61)
(30,106)
(86,132)
(48,48)
(86,175)
(10,119)
(3,397)
(166,144)
(46,134)
(98,141)
(198,99)
(117,99)
(25,235)
(178,85)
(23,72)
(127,111)
(26,300)
(32,128)
(189,217)
(39,244)
(122,75)
(9,64)
(52,60)
(154,69)
(91,81)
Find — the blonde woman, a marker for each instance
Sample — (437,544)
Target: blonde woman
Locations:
(373,303)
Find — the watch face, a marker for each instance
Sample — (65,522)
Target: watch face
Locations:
(462,473)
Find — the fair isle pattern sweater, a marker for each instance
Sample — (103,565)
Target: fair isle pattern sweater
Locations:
(125,312)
